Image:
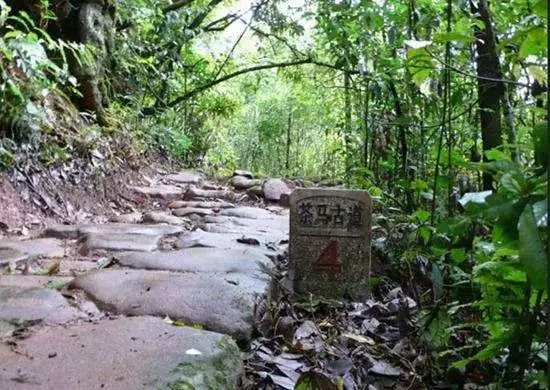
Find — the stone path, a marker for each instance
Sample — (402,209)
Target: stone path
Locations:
(159,299)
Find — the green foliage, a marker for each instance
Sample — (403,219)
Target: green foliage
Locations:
(509,266)
(32,64)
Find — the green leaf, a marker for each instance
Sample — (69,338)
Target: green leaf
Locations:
(417,44)
(425,233)
(455,226)
(14,89)
(538,73)
(314,381)
(540,143)
(422,215)
(510,182)
(495,154)
(458,255)
(452,36)
(531,249)
(534,43)
(541,8)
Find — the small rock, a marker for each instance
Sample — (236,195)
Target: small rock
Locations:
(191,210)
(194,193)
(185,177)
(274,188)
(163,217)
(163,191)
(285,327)
(243,183)
(307,338)
(135,217)
(255,192)
(370,325)
(393,305)
(393,294)
(240,172)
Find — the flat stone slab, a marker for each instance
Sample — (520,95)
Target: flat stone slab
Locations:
(163,217)
(276,229)
(185,177)
(19,304)
(199,260)
(223,303)
(32,280)
(19,250)
(80,230)
(185,211)
(163,191)
(126,353)
(201,238)
(178,204)
(121,242)
(248,212)
(75,267)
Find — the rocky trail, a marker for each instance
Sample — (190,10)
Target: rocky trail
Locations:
(188,289)
(153,299)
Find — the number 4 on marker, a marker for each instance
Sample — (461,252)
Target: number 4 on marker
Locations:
(329,259)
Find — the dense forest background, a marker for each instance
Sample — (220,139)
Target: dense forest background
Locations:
(437,107)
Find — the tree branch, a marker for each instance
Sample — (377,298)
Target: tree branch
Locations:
(176,5)
(201,16)
(233,75)
(212,83)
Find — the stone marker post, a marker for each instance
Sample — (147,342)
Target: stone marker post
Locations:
(330,234)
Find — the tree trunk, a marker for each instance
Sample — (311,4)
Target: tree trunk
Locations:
(288,139)
(402,130)
(347,125)
(490,92)
(366,125)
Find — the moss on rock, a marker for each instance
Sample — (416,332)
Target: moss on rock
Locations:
(220,372)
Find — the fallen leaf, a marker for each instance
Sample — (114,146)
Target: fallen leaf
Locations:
(248,241)
(359,338)
(313,380)
(307,337)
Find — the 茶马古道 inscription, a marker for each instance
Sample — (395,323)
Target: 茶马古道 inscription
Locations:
(330,232)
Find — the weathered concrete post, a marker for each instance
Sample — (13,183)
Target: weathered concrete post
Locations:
(330,234)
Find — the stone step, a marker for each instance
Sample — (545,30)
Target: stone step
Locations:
(221,302)
(81,230)
(126,353)
(201,238)
(199,259)
(20,304)
(21,250)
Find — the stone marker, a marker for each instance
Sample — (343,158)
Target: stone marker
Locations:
(330,233)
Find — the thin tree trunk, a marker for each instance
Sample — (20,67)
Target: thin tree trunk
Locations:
(347,125)
(366,125)
(402,130)
(448,114)
(490,92)
(510,122)
(288,132)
